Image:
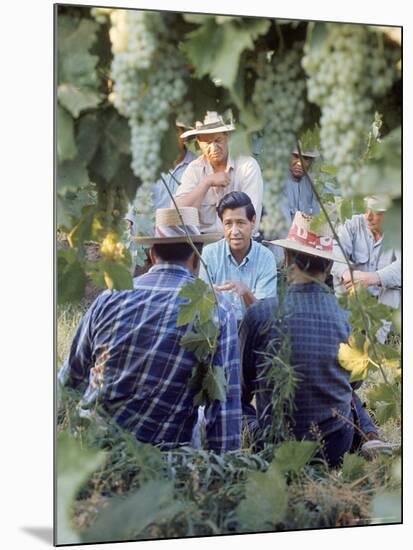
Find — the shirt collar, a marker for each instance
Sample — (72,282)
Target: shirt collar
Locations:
(171,267)
(229,255)
(310,288)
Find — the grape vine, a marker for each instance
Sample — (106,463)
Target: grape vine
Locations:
(347,69)
(278,99)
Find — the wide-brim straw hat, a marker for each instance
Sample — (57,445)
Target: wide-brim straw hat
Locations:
(170,230)
(301,239)
(311,154)
(213,123)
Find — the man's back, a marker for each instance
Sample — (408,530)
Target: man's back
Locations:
(132,336)
(316,326)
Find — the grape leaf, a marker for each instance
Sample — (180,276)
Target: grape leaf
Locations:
(201,340)
(116,275)
(353,467)
(386,400)
(265,500)
(201,299)
(292,456)
(66,145)
(215,384)
(76,99)
(71,176)
(124,518)
(71,280)
(354,360)
(75,464)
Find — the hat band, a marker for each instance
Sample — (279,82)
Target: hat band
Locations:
(300,234)
(210,126)
(162,231)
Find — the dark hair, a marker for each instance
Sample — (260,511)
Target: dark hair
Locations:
(236,199)
(178,252)
(308,263)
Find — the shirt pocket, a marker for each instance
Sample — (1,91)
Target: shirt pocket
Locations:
(208,213)
(360,254)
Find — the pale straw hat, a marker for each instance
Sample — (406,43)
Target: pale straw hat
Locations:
(376,203)
(302,239)
(213,123)
(169,228)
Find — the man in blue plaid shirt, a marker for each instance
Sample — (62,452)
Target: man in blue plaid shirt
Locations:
(325,404)
(126,355)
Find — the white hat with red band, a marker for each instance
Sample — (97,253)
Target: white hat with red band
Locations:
(302,239)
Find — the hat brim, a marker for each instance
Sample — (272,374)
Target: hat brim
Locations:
(198,132)
(310,154)
(205,238)
(298,247)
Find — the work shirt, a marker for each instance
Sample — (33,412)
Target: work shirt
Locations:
(368,255)
(257,271)
(316,324)
(133,334)
(298,196)
(160,196)
(245,176)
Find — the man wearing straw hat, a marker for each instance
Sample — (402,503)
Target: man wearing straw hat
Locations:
(376,268)
(126,355)
(310,316)
(215,173)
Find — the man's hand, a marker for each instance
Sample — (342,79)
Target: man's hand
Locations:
(233,286)
(219,179)
(238,288)
(363,278)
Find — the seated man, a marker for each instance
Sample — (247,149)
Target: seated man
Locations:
(239,266)
(215,173)
(374,267)
(316,326)
(126,354)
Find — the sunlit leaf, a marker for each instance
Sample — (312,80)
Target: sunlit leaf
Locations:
(116,275)
(355,360)
(76,99)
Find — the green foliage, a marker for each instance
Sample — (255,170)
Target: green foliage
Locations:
(71,279)
(385,400)
(292,456)
(201,341)
(126,517)
(74,465)
(354,467)
(200,303)
(265,500)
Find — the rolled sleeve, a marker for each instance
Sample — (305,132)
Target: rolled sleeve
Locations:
(391,275)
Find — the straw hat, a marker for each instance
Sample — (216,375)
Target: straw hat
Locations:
(213,123)
(312,154)
(169,228)
(376,203)
(301,239)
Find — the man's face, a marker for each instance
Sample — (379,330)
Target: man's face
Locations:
(238,229)
(296,168)
(375,221)
(214,147)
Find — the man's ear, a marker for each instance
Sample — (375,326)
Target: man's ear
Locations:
(152,256)
(253,219)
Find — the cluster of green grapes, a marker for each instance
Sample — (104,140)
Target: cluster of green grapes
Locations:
(346,71)
(149,83)
(278,99)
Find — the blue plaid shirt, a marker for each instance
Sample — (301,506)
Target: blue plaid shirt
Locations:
(317,326)
(126,355)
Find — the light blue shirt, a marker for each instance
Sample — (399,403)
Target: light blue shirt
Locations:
(257,271)
(298,196)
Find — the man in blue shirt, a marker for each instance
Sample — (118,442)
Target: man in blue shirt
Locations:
(310,316)
(126,355)
(241,268)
